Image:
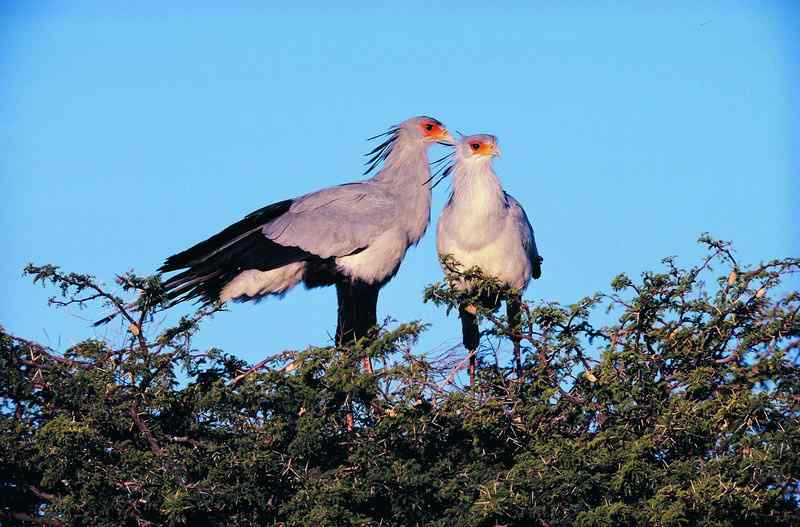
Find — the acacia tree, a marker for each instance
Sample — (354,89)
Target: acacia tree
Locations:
(683,411)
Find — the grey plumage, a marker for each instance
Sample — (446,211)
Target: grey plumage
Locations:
(353,235)
(525,230)
(340,220)
(483,226)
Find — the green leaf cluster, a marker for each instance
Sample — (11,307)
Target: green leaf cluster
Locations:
(682,409)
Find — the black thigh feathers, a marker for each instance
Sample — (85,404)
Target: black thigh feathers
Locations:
(358,305)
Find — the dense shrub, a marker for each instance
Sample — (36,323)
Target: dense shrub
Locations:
(683,411)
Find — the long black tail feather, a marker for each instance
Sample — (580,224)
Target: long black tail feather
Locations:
(209,265)
(206,279)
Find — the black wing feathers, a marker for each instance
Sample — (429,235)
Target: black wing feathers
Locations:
(212,263)
(537,268)
(250,222)
(206,279)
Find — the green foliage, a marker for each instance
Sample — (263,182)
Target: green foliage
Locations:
(683,411)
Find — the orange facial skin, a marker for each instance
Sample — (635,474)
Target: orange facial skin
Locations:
(434,130)
(482,148)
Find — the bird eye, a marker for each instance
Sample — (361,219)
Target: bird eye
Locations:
(429,127)
(475,146)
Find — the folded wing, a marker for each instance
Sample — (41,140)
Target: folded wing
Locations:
(526,232)
(332,222)
(336,221)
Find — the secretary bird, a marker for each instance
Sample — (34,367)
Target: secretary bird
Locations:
(353,235)
(484,226)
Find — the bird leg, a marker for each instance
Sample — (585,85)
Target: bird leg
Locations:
(470,335)
(357,314)
(472,368)
(366,363)
(366,314)
(513,310)
(346,313)
(358,304)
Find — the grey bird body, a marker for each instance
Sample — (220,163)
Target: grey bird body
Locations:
(365,227)
(499,239)
(353,236)
(484,226)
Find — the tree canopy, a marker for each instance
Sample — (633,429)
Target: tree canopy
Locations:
(680,409)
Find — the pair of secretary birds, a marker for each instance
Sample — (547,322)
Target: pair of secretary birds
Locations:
(355,235)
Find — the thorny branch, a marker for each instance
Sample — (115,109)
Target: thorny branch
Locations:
(678,352)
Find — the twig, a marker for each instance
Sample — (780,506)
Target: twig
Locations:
(47,352)
(239,378)
(41,520)
(459,367)
(185,439)
(134,411)
(42,494)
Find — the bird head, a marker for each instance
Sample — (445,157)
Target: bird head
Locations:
(428,129)
(477,148)
(415,131)
(470,150)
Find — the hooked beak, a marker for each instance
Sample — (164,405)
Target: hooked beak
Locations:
(497,152)
(445,138)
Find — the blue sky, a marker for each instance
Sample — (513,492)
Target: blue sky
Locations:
(627,129)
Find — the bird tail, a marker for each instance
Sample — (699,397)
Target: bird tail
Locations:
(207,267)
(211,264)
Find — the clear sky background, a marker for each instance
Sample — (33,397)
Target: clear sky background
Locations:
(128,134)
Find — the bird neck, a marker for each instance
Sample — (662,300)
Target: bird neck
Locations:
(406,163)
(477,190)
(405,175)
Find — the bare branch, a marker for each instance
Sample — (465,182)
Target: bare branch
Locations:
(134,412)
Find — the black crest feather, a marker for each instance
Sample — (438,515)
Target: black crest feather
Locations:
(441,168)
(379,154)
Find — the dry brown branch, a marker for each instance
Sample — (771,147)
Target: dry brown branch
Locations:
(41,520)
(134,411)
(44,495)
(460,366)
(262,363)
(185,439)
